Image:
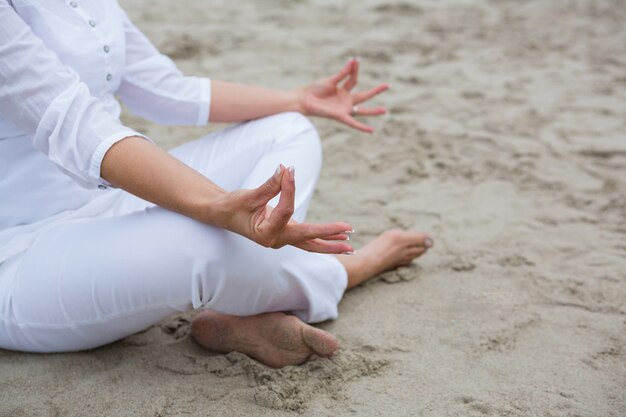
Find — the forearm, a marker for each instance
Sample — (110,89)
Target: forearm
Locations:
(232,102)
(143,169)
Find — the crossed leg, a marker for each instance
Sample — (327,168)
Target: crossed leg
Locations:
(87,282)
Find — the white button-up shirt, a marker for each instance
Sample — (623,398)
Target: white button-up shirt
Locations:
(61,63)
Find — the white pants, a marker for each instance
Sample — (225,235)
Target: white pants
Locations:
(88,282)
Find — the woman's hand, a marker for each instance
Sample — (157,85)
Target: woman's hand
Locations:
(246,212)
(327,98)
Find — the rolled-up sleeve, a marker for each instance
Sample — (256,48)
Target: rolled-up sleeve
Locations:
(49,103)
(153,87)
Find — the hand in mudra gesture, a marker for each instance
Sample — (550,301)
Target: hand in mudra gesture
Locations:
(247,213)
(329,98)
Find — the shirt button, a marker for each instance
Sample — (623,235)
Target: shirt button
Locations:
(92,23)
(73,4)
(102,187)
(109,77)
(106,49)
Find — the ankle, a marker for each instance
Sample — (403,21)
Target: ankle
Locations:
(356,268)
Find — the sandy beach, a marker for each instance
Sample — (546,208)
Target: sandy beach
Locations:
(505,139)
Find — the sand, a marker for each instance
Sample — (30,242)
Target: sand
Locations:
(506,140)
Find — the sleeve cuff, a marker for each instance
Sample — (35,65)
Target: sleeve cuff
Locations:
(101,150)
(205,102)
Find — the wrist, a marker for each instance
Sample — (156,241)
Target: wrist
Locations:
(210,207)
(296,100)
(224,210)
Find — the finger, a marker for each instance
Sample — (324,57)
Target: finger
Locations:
(362,96)
(350,121)
(370,111)
(354,75)
(305,231)
(340,236)
(323,246)
(270,188)
(343,73)
(284,209)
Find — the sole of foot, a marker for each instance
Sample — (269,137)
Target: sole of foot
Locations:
(275,339)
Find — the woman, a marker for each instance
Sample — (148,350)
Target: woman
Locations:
(103,234)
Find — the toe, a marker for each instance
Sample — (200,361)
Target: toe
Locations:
(421,239)
(416,252)
(321,343)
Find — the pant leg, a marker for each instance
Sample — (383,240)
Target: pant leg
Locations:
(89,282)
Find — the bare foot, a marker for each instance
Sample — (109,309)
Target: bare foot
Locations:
(274,339)
(388,251)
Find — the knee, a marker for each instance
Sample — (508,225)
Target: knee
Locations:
(298,121)
(306,131)
(293,125)
(292,119)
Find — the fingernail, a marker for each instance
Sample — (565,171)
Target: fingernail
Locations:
(292,172)
(347,237)
(349,253)
(428,242)
(349,232)
(277,173)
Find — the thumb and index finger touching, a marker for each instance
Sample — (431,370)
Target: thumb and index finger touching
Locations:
(283,211)
(270,188)
(283,182)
